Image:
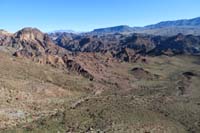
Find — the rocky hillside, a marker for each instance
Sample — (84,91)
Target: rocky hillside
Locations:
(33,44)
(30,42)
(60,49)
(138,43)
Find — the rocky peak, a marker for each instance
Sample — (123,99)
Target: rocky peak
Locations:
(31,42)
(29,34)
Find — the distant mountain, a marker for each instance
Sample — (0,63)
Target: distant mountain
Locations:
(116,29)
(195,22)
(170,31)
(165,28)
(64,31)
(171,28)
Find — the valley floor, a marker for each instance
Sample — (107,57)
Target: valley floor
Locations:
(159,95)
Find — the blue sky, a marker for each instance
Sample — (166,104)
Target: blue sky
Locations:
(85,15)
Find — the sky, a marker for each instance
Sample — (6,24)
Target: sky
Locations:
(86,15)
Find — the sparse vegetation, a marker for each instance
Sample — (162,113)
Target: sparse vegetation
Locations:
(124,104)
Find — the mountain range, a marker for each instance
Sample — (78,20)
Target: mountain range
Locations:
(32,43)
(195,22)
(165,28)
